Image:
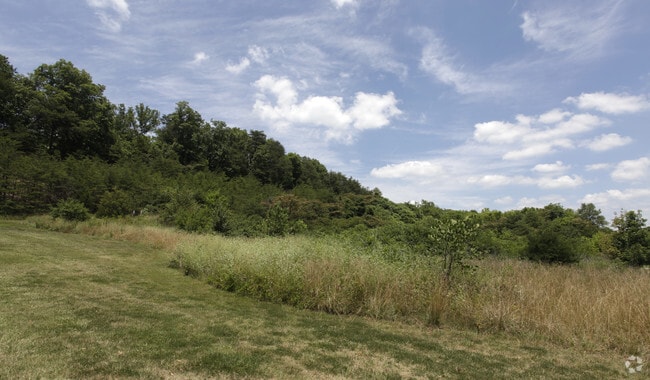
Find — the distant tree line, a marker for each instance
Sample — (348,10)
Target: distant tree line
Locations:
(65,147)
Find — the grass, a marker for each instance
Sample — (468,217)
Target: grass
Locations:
(76,306)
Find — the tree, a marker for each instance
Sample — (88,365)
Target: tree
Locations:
(7,94)
(557,241)
(69,113)
(185,131)
(453,239)
(632,238)
(227,150)
(591,214)
(271,166)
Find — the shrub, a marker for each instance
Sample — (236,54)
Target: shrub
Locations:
(115,203)
(555,242)
(70,209)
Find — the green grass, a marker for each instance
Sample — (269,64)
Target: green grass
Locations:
(76,306)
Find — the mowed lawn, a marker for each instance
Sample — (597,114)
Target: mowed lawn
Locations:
(75,306)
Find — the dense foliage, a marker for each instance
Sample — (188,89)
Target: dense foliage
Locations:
(64,147)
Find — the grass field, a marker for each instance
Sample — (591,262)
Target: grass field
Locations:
(77,306)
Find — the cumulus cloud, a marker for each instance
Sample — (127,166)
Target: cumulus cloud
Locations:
(562,182)
(408,169)
(613,200)
(580,31)
(111,13)
(369,111)
(632,170)
(607,142)
(601,166)
(558,166)
(610,103)
(531,136)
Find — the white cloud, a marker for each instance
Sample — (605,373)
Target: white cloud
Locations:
(632,170)
(255,54)
(237,68)
(558,166)
(258,54)
(112,13)
(497,180)
(341,3)
(581,32)
(564,181)
(532,136)
(408,169)
(610,103)
(369,111)
(199,58)
(372,111)
(437,61)
(607,142)
(594,167)
(613,200)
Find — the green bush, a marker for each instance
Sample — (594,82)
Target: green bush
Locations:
(115,203)
(554,242)
(70,209)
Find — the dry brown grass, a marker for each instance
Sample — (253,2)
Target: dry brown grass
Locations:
(585,306)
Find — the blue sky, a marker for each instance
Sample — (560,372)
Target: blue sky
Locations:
(470,104)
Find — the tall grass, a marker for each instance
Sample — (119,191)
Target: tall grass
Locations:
(592,307)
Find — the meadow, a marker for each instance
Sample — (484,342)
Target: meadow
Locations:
(140,301)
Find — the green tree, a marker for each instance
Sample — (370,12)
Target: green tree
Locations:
(277,220)
(70,209)
(631,238)
(591,214)
(185,131)
(69,113)
(556,241)
(453,239)
(270,165)
(227,150)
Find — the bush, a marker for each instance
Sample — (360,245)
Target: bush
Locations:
(70,209)
(555,242)
(115,203)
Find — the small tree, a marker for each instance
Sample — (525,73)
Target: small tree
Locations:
(632,238)
(70,209)
(453,239)
(277,220)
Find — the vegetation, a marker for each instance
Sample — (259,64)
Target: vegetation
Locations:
(280,227)
(75,306)
(62,140)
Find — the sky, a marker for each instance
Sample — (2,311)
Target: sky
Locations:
(470,104)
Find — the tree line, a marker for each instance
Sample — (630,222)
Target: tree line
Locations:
(65,147)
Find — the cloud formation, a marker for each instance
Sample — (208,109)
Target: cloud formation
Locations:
(535,136)
(436,60)
(610,103)
(111,13)
(632,170)
(607,142)
(199,58)
(581,32)
(256,54)
(341,3)
(369,111)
